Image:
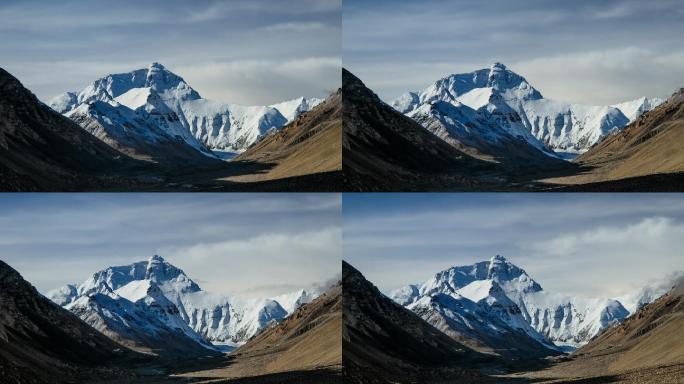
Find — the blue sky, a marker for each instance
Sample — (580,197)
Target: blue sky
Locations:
(253,245)
(581,244)
(238,51)
(584,51)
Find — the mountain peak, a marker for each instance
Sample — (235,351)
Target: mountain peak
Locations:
(155,65)
(498,258)
(155,259)
(498,66)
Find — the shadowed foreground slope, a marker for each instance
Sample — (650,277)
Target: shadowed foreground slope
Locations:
(384,342)
(40,342)
(385,150)
(43,150)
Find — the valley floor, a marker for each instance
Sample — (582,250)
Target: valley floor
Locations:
(223,369)
(593,374)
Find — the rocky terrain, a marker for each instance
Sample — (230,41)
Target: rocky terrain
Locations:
(495,307)
(154,307)
(504,136)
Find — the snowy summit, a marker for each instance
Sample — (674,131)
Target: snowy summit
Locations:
(497,96)
(158,97)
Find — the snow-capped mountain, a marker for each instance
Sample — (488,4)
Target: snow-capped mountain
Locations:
(143,294)
(477,298)
(496,100)
(157,96)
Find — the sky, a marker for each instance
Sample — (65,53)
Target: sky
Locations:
(248,245)
(582,51)
(250,52)
(588,245)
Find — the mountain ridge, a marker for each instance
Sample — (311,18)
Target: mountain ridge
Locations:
(160,97)
(155,290)
(556,321)
(543,123)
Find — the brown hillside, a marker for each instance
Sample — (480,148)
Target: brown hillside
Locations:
(310,144)
(654,144)
(306,343)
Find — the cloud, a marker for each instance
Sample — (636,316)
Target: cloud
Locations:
(290,260)
(579,52)
(621,74)
(581,244)
(649,232)
(231,241)
(269,81)
(56,47)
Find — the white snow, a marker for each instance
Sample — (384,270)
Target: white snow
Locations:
(135,97)
(291,109)
(568,322)
(476,98)
(63,103)
(135,290)
(505,100)
(162,99)
(477,290)
(157,290)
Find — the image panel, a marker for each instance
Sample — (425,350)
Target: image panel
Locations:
(157,288)
(240,95)
(528,95)
(513,288)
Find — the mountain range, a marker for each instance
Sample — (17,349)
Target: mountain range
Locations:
(502,135)
(385,342)
(385,150)
(153,103)
(143,304)
(495,307)
(496,104)
(149,130)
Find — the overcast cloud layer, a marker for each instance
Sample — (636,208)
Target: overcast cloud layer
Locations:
(251,52)
(583,51)
(252,245)
(592,245)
